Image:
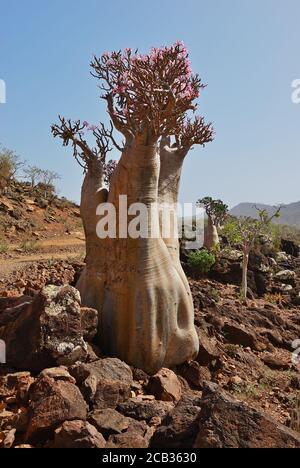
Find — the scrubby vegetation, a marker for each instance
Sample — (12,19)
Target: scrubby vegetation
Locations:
(202,260)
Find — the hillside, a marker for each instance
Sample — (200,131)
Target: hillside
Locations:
(37,225)
(290,214)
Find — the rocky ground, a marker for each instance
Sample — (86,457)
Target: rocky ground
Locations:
(59,391)
(34,213)
(243,390)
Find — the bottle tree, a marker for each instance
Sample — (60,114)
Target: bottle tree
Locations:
(216,212)
(137,284)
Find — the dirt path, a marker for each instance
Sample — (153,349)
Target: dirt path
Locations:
(63,248)
(67,241)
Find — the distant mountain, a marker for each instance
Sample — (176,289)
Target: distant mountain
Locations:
(290,214)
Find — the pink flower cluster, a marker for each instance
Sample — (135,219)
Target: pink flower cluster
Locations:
(88,127)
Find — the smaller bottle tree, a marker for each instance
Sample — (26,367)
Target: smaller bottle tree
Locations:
(216,212)
(245,233)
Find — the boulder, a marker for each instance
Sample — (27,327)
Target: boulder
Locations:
(286,276)
(12,302)
(208,352)
(144,410)
(180,427)
(78,435)
(17,420)
(290,247)
(104,383)
(89,323)
(137,436)
(46,332)
(52,402)
(194,374)
(240,335)
(165,386)
(227,423)
(108,421)
(15,386)
(276,362)
(7,439)
(58,373)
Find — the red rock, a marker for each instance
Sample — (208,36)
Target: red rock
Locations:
(165,386)
(179,429)
(208,352)
(195,374)
(104,383)
(109,421)
(16,385)
(240,335)
(141,410)
(52,403)
(227,423)
(78,434)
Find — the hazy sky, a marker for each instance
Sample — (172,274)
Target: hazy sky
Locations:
(247,51)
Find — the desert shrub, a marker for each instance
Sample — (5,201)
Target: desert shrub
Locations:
(10,163)
(276,298)
(202,260)
(29,246)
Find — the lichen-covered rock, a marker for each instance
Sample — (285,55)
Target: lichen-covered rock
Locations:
(46,332)
(89,323)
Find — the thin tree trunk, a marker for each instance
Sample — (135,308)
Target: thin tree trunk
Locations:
(171,164)
(244,290)
(91,282)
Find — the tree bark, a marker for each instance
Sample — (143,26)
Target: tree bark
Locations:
(147,316)
(91,282)
(211,236)
(244,290)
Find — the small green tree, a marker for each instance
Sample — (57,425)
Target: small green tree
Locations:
(245,232)
(216,212)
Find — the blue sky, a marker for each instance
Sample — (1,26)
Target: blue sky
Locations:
(246,51)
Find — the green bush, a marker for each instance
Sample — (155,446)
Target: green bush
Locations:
(202,260)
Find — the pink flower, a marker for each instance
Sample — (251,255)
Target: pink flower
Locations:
(85,124)
(92,128)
